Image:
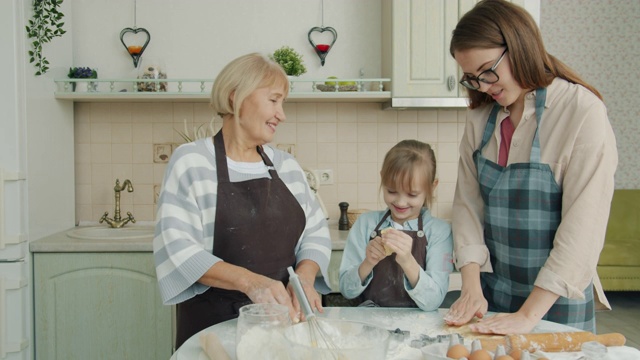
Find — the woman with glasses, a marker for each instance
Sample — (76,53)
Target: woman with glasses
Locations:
(535,179)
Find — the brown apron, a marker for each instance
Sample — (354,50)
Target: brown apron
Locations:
(258,224)
(387,286)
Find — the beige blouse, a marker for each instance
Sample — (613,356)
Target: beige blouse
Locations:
(578,143)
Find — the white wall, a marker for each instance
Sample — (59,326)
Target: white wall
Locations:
(49,150)
(196,38)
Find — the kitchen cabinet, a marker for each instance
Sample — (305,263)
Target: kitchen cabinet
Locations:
(99,306)
(416,35)
(415,47)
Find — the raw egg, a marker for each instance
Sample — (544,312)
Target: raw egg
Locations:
(480,354)
(516,354)
(457,351)
(504,357)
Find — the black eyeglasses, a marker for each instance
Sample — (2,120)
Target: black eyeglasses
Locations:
(488,76)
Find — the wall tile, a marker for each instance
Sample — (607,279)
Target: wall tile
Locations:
(141,133)
(447,132)
(101,153)
(347,112)
(100,133)
(327,132)
(327,155)
(306,113)
(121,133)
(306,132)
(121,154)
(349,138)
(428,132)
(327,113)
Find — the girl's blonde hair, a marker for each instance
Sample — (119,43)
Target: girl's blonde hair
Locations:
(241,77)
(406,160)
(498,24)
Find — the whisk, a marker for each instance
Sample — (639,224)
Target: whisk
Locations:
(317,335)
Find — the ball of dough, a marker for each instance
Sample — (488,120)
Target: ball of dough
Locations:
(387,250)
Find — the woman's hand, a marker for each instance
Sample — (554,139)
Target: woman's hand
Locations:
(262,289)
(504,323)
(315,300)
(306,271)
(468,305)
(471,301)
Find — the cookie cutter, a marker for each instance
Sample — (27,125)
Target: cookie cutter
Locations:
(399,334)
(424,340)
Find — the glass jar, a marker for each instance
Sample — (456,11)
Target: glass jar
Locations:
(152,69)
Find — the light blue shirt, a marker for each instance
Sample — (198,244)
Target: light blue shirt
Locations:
(433,282)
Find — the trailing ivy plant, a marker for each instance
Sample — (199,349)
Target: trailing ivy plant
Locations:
(45,25)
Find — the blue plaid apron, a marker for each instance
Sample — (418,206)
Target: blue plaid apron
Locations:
(523,209)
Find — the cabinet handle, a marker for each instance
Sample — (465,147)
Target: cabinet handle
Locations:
(451,83)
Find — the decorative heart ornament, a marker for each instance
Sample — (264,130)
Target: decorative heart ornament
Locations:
(322,49)
(135,50)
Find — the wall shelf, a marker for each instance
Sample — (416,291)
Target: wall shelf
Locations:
(198,90)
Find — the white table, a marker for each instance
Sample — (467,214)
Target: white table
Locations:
(414,320)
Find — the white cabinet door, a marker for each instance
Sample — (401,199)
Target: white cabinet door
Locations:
(416,35)
(419,63)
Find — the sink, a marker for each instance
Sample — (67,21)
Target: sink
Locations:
(106,233)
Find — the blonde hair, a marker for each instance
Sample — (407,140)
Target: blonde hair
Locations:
(241,77)
(499,23)
(406,160)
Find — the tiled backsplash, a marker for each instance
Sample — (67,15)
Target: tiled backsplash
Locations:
(128,141)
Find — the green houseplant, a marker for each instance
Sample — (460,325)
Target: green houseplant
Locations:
(290,60)
(83,73)
(45,25)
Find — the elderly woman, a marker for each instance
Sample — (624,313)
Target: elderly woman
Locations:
(234,213)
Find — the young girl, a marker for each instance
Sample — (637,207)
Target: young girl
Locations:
(400,257)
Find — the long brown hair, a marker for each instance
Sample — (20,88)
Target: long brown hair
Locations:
(499,23)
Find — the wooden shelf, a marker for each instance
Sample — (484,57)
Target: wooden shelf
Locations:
(198,90)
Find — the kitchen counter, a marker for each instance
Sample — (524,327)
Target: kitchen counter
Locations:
(62,242)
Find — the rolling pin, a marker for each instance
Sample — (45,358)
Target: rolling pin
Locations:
(552,342)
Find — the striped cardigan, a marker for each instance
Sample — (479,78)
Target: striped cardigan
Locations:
(186,213)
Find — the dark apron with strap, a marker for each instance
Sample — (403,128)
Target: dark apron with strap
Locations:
(387,285)
(258,224)
(523,209)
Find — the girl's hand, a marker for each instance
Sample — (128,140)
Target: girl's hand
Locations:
(400,243)
(504,323)
(374,252)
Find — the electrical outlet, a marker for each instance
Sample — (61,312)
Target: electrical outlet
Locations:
(325,176)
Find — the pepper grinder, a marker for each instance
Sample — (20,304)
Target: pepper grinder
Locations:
(343,223)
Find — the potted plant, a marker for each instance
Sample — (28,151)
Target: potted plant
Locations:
(290,60)
(83,73)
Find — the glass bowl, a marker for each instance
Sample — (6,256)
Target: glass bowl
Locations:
(336,339)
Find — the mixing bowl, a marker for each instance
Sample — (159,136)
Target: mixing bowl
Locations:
(344,340)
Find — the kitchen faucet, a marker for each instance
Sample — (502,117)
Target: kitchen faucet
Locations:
(118,222)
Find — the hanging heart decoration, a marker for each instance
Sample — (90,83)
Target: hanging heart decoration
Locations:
(135,50)
(322,49)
